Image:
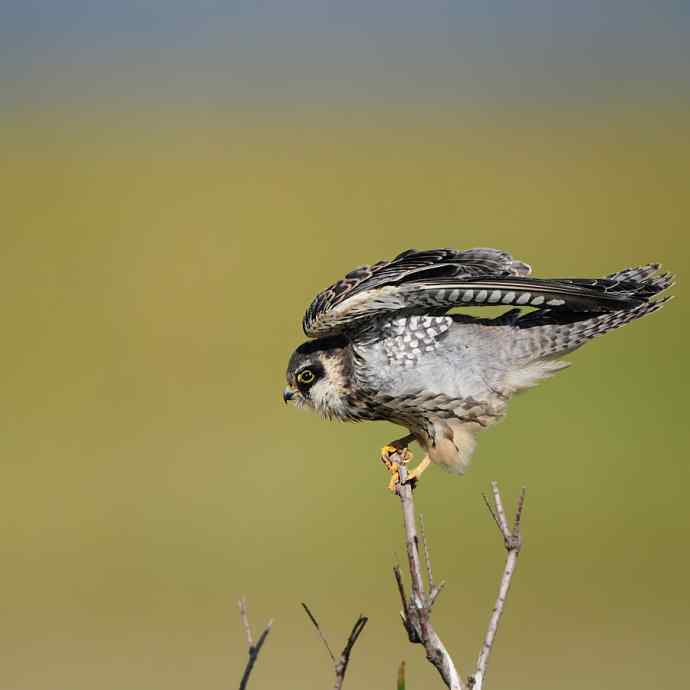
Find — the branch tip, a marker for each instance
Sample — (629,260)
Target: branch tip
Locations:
(433,595)
(513,540)
(492,512)
(244,617)
(315,623)
(427,557)
(418,609)
(344,660)
(254,649)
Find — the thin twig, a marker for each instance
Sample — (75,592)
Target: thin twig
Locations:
(433,594)
(242,603)
(493,513)
(312,618)
(404,614)
(401,586)
(416,612)
(344,659)
(512,539)
(254,649)
(341,664)
(518,513)
(419,608)
(427,558)
(500,512)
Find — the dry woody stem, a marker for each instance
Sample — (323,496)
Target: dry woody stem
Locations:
(253,649)
(416,613)
(416,609)
(512,540)
(341,663)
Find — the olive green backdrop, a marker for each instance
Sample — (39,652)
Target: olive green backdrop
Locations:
(153,278)
(177,181)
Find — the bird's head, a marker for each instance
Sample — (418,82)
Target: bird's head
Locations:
(317,376)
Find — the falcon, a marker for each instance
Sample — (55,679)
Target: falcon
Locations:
(383,345)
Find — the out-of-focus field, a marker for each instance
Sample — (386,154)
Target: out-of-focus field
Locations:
(153,276)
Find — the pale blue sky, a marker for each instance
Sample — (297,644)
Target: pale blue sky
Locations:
(225,52)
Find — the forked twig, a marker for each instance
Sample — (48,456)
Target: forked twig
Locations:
(344,659)
(416,610)
(427,557)
(512,539)
(254,649)
(242,603)
(312,618)
(412,633)
(340,665)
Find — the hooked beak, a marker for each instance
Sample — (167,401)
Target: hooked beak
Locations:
(288,394)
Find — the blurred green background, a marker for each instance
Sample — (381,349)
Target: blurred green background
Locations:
(174,193)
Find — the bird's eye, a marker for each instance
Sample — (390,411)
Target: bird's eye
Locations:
(306,376)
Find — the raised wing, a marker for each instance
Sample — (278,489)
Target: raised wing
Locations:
(440,279)
(368,291)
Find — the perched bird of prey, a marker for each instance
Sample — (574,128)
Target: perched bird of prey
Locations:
(384,346)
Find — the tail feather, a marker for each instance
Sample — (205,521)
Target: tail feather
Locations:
(622,290)
(556,336)
(636,274)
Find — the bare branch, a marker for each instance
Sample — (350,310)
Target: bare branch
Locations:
(427,558)
(518,513)
(254,649)
(512,539)
(433,595)
(418,610)
(312,618)
(343,660)
(500,512)
(493,513)
(405,614)
(242,603)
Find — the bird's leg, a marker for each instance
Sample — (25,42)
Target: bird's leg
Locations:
(396,448)
(416,473)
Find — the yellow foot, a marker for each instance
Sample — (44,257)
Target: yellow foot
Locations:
(416,473)
(392,457)
(403,456)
